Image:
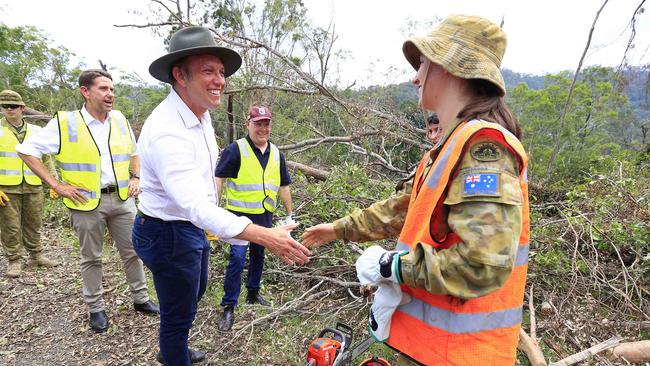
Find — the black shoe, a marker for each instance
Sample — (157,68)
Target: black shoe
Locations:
(148,308)
(195,356)
(254,297)
(99,321)
(227,318)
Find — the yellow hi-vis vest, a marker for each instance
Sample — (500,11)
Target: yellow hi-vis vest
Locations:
(255,190)
(12,168)
(79,158)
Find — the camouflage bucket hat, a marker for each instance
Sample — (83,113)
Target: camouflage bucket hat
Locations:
(11,97)
(468,47)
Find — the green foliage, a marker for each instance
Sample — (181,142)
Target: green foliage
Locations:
(347,187)
(41,73)
(598,126)
(136,99)
(616,206)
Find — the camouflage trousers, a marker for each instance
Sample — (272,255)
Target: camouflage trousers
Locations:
(20,224)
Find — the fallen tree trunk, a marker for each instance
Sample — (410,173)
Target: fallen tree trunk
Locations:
(632,352)
(34,114)
(315,173)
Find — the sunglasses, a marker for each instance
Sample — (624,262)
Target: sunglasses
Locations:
(11,106)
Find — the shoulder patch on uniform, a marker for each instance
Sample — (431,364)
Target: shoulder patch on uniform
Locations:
(481,185)
(486,151)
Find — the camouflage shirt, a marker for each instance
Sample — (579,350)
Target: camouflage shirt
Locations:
(489,228)
(48,161)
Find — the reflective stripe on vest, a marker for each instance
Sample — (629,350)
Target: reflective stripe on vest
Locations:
(13,169)
(80,161)
(255,190)
(441,329)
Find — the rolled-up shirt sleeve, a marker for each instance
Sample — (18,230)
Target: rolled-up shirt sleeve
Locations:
(45,141)
(184,184)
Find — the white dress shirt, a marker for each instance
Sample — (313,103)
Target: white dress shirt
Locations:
(48,141)
(178,156)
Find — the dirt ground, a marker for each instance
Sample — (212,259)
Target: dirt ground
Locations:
(43,320)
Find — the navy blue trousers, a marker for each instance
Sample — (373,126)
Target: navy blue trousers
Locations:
(232,282)
(235,268)
(177,253)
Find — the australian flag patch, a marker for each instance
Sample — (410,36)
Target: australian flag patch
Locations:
(481,185)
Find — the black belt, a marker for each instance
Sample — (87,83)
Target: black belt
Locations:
(109,189)
(147,217)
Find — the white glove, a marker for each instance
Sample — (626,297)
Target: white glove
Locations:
(288,219)
(387,298)
(234,241)
(377,265)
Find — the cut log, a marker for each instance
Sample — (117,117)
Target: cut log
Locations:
(632,352)
(315,173)
(531,348)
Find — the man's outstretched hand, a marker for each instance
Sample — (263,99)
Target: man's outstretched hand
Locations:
(279,241)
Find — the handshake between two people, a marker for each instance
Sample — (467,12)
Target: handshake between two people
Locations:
(279,241)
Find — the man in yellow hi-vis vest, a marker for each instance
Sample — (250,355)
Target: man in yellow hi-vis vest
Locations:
(253,173)
(21,192)
(96,153)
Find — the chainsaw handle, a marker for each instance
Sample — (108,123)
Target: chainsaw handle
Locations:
(338,335)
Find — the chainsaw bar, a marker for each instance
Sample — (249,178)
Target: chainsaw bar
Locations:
(346,357)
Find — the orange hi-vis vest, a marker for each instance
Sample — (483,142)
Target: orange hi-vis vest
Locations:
(436,329)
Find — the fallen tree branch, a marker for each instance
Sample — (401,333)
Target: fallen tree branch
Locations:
(345,284)
(529,344)
(531,348)
(589,352)
(287,307)
(315,173)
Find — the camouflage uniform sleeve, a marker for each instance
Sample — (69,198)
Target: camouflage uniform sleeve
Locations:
(383,219)
(488,226)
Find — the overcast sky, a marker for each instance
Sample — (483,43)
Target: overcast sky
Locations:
(543,36)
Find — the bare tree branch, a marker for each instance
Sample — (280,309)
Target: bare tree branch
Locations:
(558,141)
(148,25)
(270,87)
(317,141)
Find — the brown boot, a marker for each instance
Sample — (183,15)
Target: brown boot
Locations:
(14,268)
(39,259)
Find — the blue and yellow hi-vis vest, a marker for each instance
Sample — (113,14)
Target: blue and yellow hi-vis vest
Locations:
(255,190)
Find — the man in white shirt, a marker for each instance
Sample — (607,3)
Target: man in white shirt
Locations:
(178,153)
(96,153)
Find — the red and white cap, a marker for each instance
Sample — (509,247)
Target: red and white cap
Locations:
(258,113)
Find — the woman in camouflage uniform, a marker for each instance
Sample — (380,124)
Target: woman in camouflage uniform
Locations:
(463,234)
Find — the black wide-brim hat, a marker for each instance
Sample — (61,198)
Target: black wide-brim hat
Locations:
(193,41)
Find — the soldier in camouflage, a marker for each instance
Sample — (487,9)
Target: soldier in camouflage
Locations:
(21,205)
(488,225)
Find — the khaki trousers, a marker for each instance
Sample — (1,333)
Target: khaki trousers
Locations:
(20,224)
(117,216)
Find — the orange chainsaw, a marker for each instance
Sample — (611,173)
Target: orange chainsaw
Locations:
(332,348)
